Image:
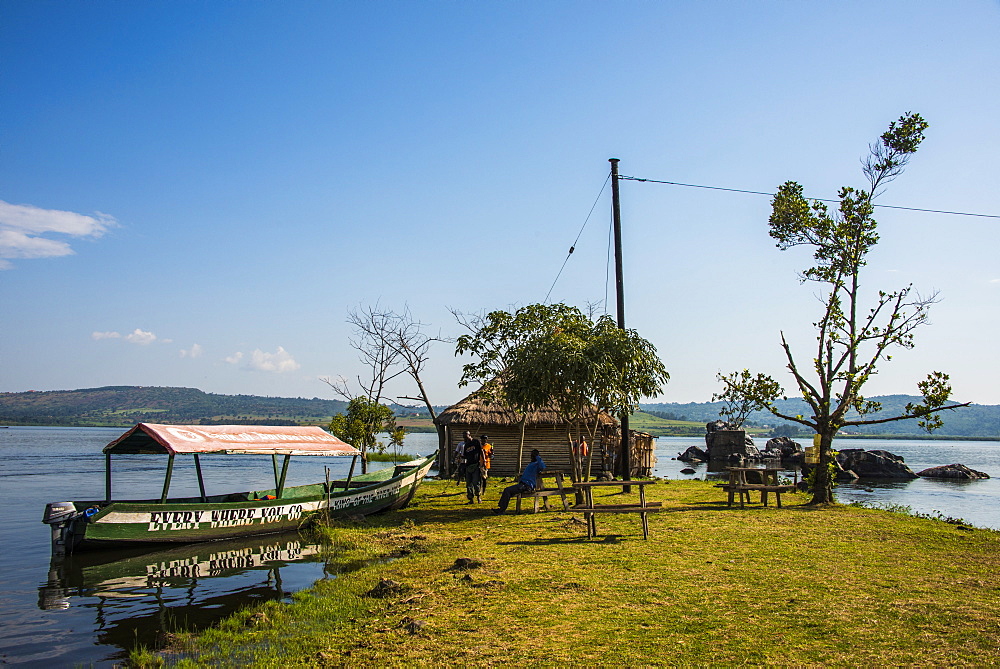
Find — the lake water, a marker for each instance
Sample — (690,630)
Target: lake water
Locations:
(977,502)
(94,608)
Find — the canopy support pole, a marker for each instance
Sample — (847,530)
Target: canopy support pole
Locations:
(281,483)
(166,481)
(274,463)
(201,480)
(350,474)
(107,478)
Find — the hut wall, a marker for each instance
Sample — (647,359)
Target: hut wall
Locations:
(643,451)
(552,442)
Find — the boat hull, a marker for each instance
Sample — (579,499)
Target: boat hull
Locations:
(98,524)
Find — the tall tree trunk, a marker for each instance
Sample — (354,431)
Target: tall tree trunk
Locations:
(520,447)
(590,450)
(823,481)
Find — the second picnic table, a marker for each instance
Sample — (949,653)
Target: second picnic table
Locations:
(739,484)
(590,509)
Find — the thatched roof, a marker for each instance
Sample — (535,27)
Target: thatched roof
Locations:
(479,409)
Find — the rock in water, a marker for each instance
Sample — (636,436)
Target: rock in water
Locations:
(783,446)
(953,471)
(874,464)
(693,454)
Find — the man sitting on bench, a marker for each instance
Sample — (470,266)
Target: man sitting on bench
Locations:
(527,482)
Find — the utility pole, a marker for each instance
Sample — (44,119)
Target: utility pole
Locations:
(626,451)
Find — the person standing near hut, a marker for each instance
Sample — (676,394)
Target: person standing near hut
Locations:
(460,457)
(473,456)
(487,461)
(527,482)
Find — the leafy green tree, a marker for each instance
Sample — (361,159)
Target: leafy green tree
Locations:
(737,407)
(555,356)
(495,338)
(359,425)
(850,340)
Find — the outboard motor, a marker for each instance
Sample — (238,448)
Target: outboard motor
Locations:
(61,517)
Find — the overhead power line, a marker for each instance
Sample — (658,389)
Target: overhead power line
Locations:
(757,192)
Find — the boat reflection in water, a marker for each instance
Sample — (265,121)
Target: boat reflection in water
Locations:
(141,596)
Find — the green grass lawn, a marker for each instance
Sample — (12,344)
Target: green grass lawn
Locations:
(712,585)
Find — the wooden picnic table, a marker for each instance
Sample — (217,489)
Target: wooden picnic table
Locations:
(738,484)
(590,509)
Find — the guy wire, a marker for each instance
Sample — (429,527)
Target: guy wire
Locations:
(573,247)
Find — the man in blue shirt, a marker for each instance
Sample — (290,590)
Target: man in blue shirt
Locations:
(527,482)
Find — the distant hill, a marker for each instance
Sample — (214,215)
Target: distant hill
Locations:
(115,406)
(978,420)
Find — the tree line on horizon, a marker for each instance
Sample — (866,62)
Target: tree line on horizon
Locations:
(126,405)
(114,406)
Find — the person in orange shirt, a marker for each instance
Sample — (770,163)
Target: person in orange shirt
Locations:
(487,460)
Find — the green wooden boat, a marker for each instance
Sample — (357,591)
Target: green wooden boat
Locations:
(81,525)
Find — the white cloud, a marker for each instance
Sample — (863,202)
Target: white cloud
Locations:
(22,227)
(196,351)
(97,336)
(140,337)
(278,362)
(994,280)
(137,336)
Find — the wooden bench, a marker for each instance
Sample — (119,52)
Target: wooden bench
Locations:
(542,494)
(744,490)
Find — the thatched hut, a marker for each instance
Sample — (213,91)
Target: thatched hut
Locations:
(545,430)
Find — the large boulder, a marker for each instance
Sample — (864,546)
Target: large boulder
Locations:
(693,454)
(954,471)
(712,428)
(731,445)
(875,464)
(783,447)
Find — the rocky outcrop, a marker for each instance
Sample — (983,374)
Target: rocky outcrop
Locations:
(953,471)
(874,464)
(724,442)
(693,454)
(784,448)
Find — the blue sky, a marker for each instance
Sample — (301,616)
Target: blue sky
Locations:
(196,194)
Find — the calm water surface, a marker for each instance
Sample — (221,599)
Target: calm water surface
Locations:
(94,608)
(977,502)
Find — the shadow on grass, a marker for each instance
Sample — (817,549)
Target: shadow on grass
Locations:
(556,541)
(722,505)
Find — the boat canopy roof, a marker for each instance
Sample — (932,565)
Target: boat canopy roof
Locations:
(151,438)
